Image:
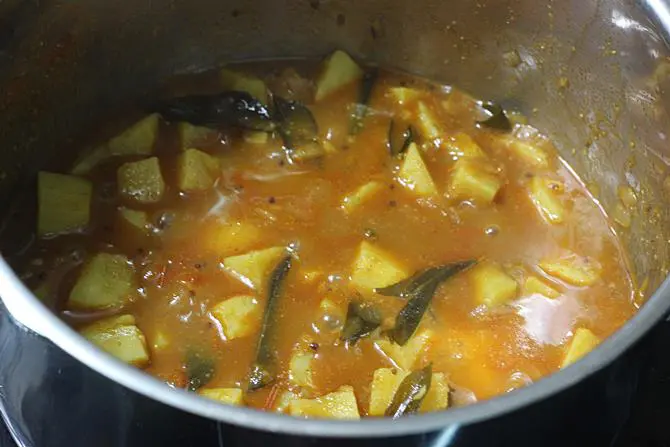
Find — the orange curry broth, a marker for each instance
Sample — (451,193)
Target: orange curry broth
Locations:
(487,352)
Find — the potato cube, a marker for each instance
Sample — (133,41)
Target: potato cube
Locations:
(414,174)
(230,396)
(338,71)
(385,383)
(135,219)
(254,267)
(461,145)
(141,181)
(196,170)
(284,401)
(340,404)
(106,280)
(64,203)
(138,139)
(300,368)
(545,194)
(583,342)
(192,136)
(492,286)
(428,124)
(577,270)
(535,286)
(230,238)
(473,181)
(120,337)
(239,316)
(374,268)
(438,395)
(403,95)
(528,153)
(362,195)
(90,160)
(406,356)
(232,80)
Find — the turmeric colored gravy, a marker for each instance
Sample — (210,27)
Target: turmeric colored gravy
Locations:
(355,206)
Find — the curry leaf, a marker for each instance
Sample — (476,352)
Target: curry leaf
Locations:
(361,109)
(419,290)
(199,369)
(297,125)
(263,370)
(411,392)
(233,108)
(497,118)
(361,320)
(399,138)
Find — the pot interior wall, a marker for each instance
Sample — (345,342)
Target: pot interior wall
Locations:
(592,75)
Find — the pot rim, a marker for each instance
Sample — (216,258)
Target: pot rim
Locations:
(19,298)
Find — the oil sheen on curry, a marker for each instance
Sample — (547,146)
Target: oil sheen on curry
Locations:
(329,240)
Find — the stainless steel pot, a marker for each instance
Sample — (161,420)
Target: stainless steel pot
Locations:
(592,74)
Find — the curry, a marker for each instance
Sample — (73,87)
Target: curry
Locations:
(329,240)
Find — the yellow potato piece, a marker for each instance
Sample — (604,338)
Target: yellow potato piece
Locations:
(428,124)
(138,220)
(300,368)
(527,152)
(239,316)
(546,196)
(473,181)
(232,80)
(231,238)
(193,136)
(361,195)
(284,401)
(414,174)
(120,337)
(64,203)
(406,356)
(141,181)
(230,396)
(461,145)
(403,95)
(438,394)
(339,70)
(385,383)
(340,404)
(534,285)
(577,270)
(375,268)
(492,286)
(138,139)
(254,267)
(196,170)
(583,342)
(107,280)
